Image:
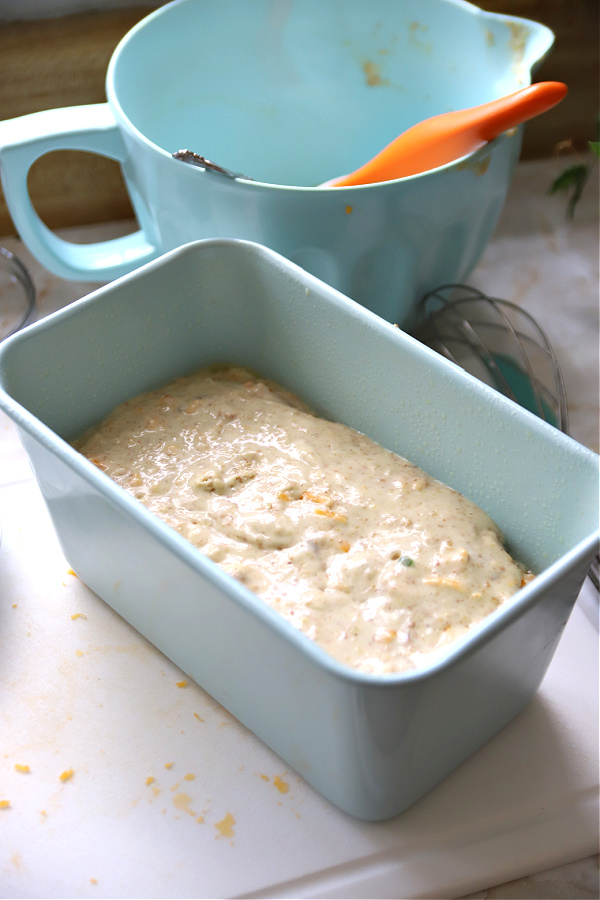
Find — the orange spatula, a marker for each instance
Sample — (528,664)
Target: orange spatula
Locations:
(449,136)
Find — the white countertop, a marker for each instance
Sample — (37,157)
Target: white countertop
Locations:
(82,691)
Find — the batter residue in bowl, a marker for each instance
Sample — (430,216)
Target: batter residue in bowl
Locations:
(365,553)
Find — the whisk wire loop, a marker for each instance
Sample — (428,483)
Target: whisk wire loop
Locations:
(468,326)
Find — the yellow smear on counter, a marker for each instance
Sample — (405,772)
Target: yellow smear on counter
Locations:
(282,786)
(66,775)
(189,777)
(182,801)
(225,826)
(79,616)
(4,804)
(21,768)
(150,779)
(182,684)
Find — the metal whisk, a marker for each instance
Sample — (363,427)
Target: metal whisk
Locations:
(501,344)
(498,342)
(17,294)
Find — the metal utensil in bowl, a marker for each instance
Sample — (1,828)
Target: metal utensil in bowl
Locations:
(195,159)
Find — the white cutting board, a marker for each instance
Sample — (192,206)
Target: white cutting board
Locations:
(224,817)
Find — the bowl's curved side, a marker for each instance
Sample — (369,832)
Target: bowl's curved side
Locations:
(528,42)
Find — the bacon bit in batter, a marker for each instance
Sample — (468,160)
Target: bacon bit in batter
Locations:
(66,775)
(445,582)
(192,407)
(98,464)
(385,635)
(330,514)
(21,768)
(315,498)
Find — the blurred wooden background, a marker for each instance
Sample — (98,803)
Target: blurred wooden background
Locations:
(62,62)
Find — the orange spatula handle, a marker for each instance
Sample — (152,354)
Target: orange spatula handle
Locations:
(449,136)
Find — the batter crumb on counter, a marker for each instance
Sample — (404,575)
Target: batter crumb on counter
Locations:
(376,561)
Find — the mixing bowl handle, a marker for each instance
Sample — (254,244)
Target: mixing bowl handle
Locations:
(23,140)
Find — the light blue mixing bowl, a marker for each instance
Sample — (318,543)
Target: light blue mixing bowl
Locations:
(371,744)
(292,94)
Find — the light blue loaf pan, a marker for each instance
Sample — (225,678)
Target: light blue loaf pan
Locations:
(372,745)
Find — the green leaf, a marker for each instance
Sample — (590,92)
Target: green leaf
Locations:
(571,177)
(595,147)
